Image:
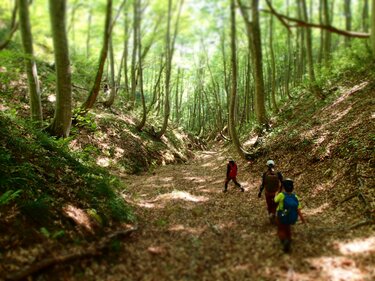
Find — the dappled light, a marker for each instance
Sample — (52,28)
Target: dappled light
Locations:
(181,195)
(103,161)
(338,268)
(317,210)
(79,216)
(51,98)
(187,229)
(365,246)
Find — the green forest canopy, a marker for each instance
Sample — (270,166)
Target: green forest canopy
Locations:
(199,78)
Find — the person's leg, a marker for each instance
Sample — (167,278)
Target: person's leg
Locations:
(283,232)
(271,206)
(238,185)
(226,184)
(288,240)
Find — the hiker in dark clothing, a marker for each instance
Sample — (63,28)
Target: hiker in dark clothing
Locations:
(288,211)
(271,182)
(232,175)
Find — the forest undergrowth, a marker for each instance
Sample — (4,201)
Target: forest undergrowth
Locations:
(186,227)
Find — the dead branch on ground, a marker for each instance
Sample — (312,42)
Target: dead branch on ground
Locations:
(83,252)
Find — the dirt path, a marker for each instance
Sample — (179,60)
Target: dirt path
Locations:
(190,230)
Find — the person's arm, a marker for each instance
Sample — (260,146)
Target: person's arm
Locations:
(280,176)
(301,215)
(261,187)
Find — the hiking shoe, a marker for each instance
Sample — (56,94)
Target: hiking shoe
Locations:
(286,246)
(272,218)
(242,189)
(224,190)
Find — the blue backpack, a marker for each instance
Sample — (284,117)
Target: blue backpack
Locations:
(289,215)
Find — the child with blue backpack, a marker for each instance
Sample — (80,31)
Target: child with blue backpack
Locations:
(288,210)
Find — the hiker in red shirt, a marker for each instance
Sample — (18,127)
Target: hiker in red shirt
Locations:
(271,182)
(232,175)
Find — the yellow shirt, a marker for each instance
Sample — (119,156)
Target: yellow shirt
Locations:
(279,198)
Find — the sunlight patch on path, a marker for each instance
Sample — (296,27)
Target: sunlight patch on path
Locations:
(358,246)
(182,195)
(338,268)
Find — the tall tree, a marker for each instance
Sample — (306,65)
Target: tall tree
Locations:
(373,27)
(327,34)
(140,67)
(365,16)
(61,122)
(273,66)
(112,94)
(313,85)
(89,20)
(254,35)
(169,50)
(13,27)
(91,99)
(133,75)
(233,96)
(30,64)
(348,20)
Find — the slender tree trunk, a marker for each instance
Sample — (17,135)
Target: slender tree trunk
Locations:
(327,34)
(313,86)
(140,67)
(133,78)
(13,27)
(89,20)
(273,67)
(126,53)
(290,59)
(168,69)
(94,92)
(373,27)
(62,120)
(30,64)
(176,105)
(233,96)
(348,20)
(365,16)
(254,35)
(111,99)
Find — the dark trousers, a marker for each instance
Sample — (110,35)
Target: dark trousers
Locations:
(228,180)
(271,205)
(284,232)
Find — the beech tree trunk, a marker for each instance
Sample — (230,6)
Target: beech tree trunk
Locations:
(233,95)
(94,92)
(348,20)
(13,27)
(111,99)
(365,16)
(89,20)
(30,64)
(273,67)
(313,86)
(140,67)
(254,35)
(62,120)
(168,68)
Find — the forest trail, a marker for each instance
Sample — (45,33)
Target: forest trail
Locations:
(190,230)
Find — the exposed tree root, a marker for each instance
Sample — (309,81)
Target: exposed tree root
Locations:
(93,250)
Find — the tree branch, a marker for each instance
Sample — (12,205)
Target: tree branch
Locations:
(300,23)
(93,250)
(278,16)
